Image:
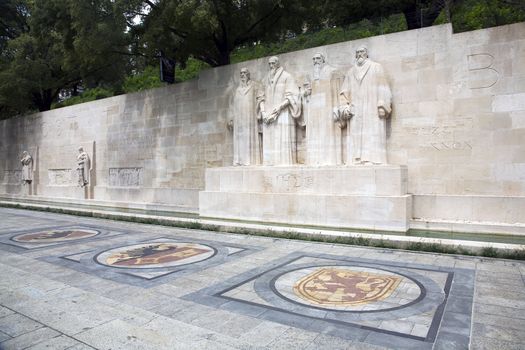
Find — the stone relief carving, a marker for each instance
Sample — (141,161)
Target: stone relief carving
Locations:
(245,121)
(287,182)
(125,177)
(27,168)
(366,99)
(83,167)
(59,177)
(320,96)
(280,109)
(12,176)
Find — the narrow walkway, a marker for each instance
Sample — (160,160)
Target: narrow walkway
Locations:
(83,283)
(471,242)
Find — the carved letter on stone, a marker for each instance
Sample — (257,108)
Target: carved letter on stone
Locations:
(27,168)
(244,120)
(83,167)
(367,105)
(280,108)
(481,73)
(319,98)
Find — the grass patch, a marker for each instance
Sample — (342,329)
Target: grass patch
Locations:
(517,254)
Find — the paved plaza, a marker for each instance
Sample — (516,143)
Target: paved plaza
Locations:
(82,283)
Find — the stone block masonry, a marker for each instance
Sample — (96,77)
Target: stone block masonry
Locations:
(458,124)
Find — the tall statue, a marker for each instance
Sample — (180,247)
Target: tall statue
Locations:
(280,108)
(27,168)
(83,167)
(244,121)
(321,96)
(367,105)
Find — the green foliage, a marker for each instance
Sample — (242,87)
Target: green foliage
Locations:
(147,79)
(477,14)
(54,45)
(48,47)
(192,69)
(362,29)
(150,77)
(208,30)
(87,96)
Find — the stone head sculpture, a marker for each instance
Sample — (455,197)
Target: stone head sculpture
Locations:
(273,62)
(361,55)
(318,59)
(245,75)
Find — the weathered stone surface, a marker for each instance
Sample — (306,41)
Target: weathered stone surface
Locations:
(457,122)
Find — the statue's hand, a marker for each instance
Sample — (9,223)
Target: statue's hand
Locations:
(273,116)
(307,89)
(230,125)
(381,112)
(346,112)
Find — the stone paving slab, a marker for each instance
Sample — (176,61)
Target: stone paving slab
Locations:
(55,296)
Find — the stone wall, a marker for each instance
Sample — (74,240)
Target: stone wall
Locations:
(458,123)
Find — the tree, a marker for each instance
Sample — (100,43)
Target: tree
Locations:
(477,14)
(418,13)
(208,30)
(48,46)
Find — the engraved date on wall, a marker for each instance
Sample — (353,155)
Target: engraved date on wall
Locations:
(12,176)
(60,177)
(125,177)
(288,182)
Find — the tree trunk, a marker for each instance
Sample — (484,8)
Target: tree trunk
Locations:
(43,100)
(419,17)
(224,57)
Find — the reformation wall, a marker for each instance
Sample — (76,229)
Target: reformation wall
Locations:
(454,140)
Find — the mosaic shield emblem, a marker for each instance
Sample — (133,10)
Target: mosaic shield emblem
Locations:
(336,286)
(155,255)
(55,236)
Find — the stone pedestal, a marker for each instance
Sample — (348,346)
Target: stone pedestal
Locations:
(360,197)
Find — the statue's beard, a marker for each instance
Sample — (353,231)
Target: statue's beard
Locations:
(317,70)
(244,81)
(273,71)
(361,60)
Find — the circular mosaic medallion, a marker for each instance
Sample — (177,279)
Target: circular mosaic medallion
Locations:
(55,236)
(347,288)
(154,255)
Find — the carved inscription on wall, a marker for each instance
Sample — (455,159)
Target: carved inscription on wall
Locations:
(60,177)
(288,183)
(12,176)
(444,137)
(481,72)
(125,177)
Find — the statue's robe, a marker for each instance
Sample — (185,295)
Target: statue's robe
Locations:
(27,168)
(323,134)
(279,137)
(246,141)
(83,169)
(366,88)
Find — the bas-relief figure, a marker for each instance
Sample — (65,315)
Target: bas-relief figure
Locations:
(320,97)
(368,104)
(27,168)
(280,108)
(245,121)
(83,167)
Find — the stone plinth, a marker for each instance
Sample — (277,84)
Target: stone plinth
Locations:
(363,197)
